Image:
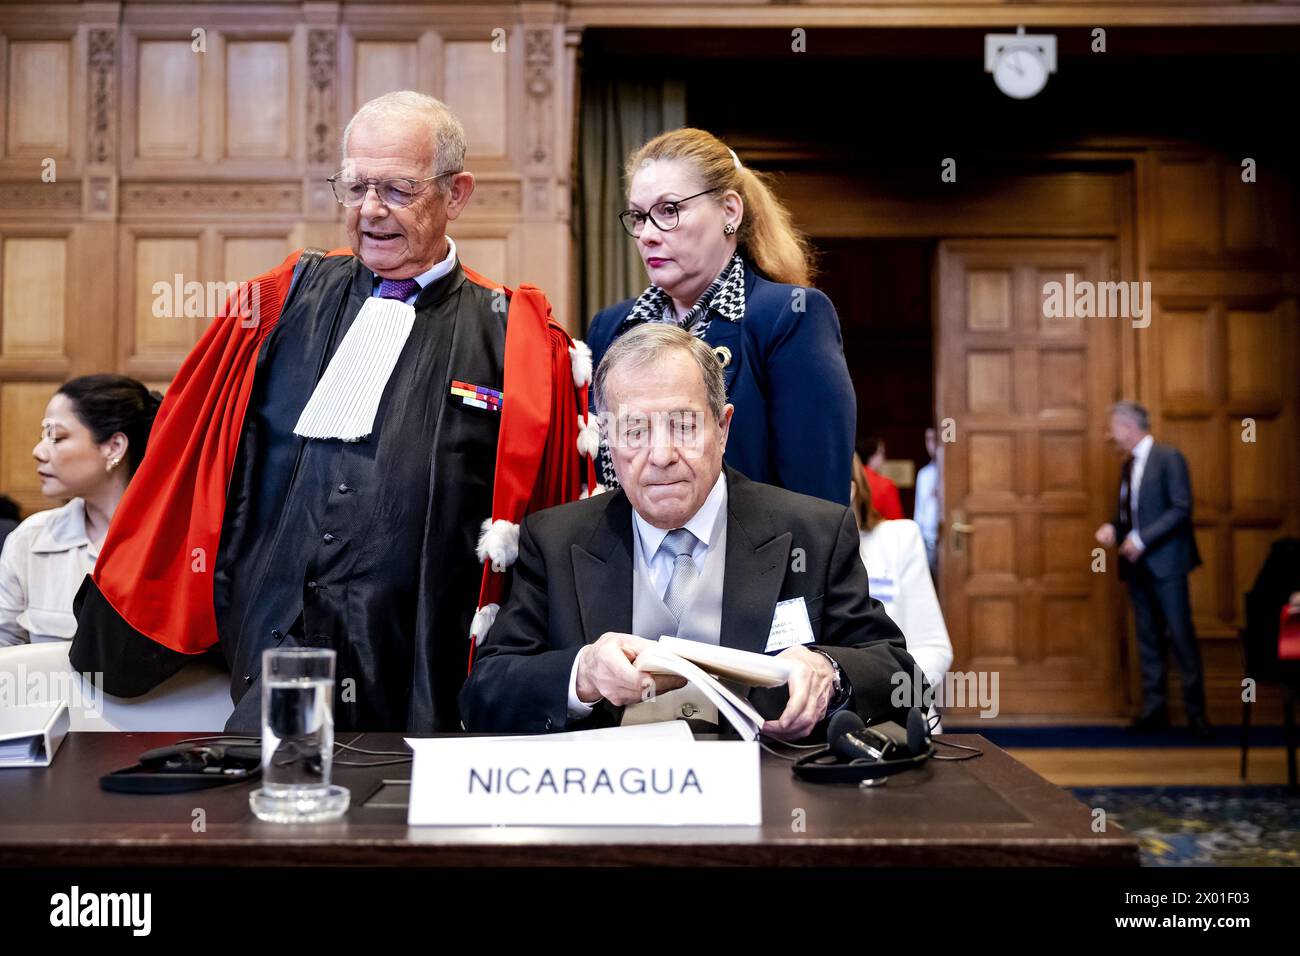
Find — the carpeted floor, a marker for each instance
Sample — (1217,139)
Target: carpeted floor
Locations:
(1201,826)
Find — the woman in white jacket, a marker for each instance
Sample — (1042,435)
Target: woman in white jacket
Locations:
(894,554)
(93,436)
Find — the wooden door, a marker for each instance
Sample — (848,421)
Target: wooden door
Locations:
(1026,475)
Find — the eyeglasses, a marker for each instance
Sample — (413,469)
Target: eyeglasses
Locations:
(350,191)
(663,214)
(638,429)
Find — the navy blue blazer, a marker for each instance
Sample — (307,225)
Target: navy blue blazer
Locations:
(1164,513)
(796,413)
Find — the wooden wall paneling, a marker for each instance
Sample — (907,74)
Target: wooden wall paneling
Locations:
(475,85)
(36,264)
(42,81)
(245,252)
(567,146)
(1254,215)
(261,101)
(258,96)
(321,125)
(1258,359)
(322,234)
(100,121)
(93,315)
(34,311)
(22,406)
(537,69)
(1222,349)
(4,95)
(487,255)
(1185,233)
(40,90)
(151,345)
(1053,204)
(162,103)
(375,59)
(385,65)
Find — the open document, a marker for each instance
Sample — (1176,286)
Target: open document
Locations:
(698,663)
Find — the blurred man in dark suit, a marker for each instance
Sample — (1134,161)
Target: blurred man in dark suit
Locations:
(1152,528)
(687,548)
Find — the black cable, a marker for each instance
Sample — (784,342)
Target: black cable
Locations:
(374,753)
(233,738)
(786,743)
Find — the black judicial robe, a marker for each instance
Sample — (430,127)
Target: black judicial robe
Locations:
(365,547)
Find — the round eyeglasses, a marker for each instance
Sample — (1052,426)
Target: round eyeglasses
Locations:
(350,191)
(663,214)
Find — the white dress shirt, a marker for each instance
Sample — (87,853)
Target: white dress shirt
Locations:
(899,575)
(660,562)
(44,561)
(1141,452)
(439,270)
(926,510)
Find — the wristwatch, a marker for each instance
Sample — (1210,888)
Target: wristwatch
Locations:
(838,680)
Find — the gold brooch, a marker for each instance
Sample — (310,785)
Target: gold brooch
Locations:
(723,355)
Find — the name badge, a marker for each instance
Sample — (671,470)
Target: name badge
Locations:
(882,589)
(460,781)
(790,626)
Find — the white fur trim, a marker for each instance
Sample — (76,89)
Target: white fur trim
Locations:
(580,361)
(484,618)
(588,436)
(499,541)
(592,492)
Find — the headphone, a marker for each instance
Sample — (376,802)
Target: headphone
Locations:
(856,753)
(187,766)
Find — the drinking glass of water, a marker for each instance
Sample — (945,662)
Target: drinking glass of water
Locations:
(298,738)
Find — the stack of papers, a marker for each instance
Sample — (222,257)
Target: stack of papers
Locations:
(21,751)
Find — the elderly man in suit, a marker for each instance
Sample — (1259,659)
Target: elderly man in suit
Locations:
(689,548)
(1152,528)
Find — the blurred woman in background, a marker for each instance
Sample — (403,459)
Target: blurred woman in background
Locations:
(93,437)
(899,571)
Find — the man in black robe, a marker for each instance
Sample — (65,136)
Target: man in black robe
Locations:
(339,530)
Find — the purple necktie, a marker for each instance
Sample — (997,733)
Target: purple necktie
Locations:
(399,289)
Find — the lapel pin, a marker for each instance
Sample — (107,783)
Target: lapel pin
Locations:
(723,355)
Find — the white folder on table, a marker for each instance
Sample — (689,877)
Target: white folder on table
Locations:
(30,734)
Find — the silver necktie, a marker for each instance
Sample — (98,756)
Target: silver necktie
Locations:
(680,543)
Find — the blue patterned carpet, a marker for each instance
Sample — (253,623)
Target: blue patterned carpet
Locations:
(1205,826)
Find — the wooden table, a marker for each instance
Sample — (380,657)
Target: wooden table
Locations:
(990,810)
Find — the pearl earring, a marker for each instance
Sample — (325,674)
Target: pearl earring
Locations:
(113,463)
(728,229)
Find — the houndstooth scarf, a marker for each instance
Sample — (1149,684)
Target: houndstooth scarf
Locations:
(724,298)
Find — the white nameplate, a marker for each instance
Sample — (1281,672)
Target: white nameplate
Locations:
(458,781)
